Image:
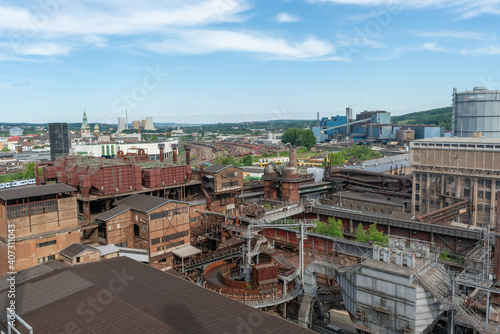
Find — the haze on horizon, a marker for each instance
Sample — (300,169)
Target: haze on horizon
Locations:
(211,61)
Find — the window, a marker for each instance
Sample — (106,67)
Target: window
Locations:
(488,183)
(78,260)
(36,208)
(432,191)
(487,208)
(467,182)
(424,177)
(480,182)
(122,244)
(423,200)
(480,194)
(417,186)
(46,258)
(451,179)
(417,197)
(466,192)
(438,202)
(46,243)
(487,194)
(479,207)
(417,208)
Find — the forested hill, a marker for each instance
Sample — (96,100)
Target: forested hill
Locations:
(439,117)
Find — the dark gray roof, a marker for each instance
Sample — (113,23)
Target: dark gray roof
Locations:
(144,203)
(112,213)
(74,250)
(217,168)
(141,299)
(35,191)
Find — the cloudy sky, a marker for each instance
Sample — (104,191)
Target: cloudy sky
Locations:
(240,60)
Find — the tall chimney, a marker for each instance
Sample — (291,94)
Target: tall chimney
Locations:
(496,256)
(174,156)
(293,156)
(162,153)
(187,148)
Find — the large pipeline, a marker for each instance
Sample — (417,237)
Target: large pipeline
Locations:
(366,172)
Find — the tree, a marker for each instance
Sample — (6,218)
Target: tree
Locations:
(29,171)
(5,149)
(334,158)
(361,234)
(334,227)
(247,160)
(307,139)
(291,136)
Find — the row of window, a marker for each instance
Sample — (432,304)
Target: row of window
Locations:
(174,212)
(122,244)
(473,146)
(482,183)
(169,237)
(46,243)
(195,219)
(229,175)
(46,258)
(230,184)
(36,208)
(174,244)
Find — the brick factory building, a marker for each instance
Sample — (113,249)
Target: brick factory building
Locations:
(458,172)
(44,219)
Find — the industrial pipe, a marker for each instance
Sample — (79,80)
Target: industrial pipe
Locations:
(174,156)
(187,148)
(162,148)
(496,259)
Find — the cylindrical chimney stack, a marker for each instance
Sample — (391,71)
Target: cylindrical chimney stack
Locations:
(187,148)
(162,151)
(174,155)
(293,156)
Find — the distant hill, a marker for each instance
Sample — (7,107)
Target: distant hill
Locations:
(439,117)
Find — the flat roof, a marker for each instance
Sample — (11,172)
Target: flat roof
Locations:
(186,252)
(35,191)
(458,140)
(139,299)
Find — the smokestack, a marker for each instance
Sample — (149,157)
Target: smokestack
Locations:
(162,153)
(126,118)
(187,148)
(293,156)
(496,257)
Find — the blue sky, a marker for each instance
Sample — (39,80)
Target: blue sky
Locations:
(208,61)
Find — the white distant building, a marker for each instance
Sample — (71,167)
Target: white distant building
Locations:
(15,131)
(111,149)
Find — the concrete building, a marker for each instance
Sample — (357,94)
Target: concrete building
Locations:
(136,125)
(112,149)
(476,112)
(79,253)
(59,141)
(42,219)
(448,171)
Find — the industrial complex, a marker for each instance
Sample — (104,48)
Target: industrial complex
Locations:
(174,242)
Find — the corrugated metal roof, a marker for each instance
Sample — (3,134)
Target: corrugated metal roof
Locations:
(217,168)
(75,249)
(35,191)
(458,140)
(139,299)
(112,213)
(186,252)
(145,203)
(107,249)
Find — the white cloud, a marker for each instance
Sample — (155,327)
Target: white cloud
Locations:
(471,35)
(433,47)
(464,8)
(209,41)
(285,18)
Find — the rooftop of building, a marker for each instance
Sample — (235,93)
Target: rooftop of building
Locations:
(367,197)
(35,191)
(457,140)
(131,298)
(112,213)
(76,249)
(144,203)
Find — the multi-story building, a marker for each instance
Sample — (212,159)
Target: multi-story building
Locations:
(146,222)
(447,171)
(15,131)
(111,149)
(59,141)
(39,221)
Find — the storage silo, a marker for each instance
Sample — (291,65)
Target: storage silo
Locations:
(476,111)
